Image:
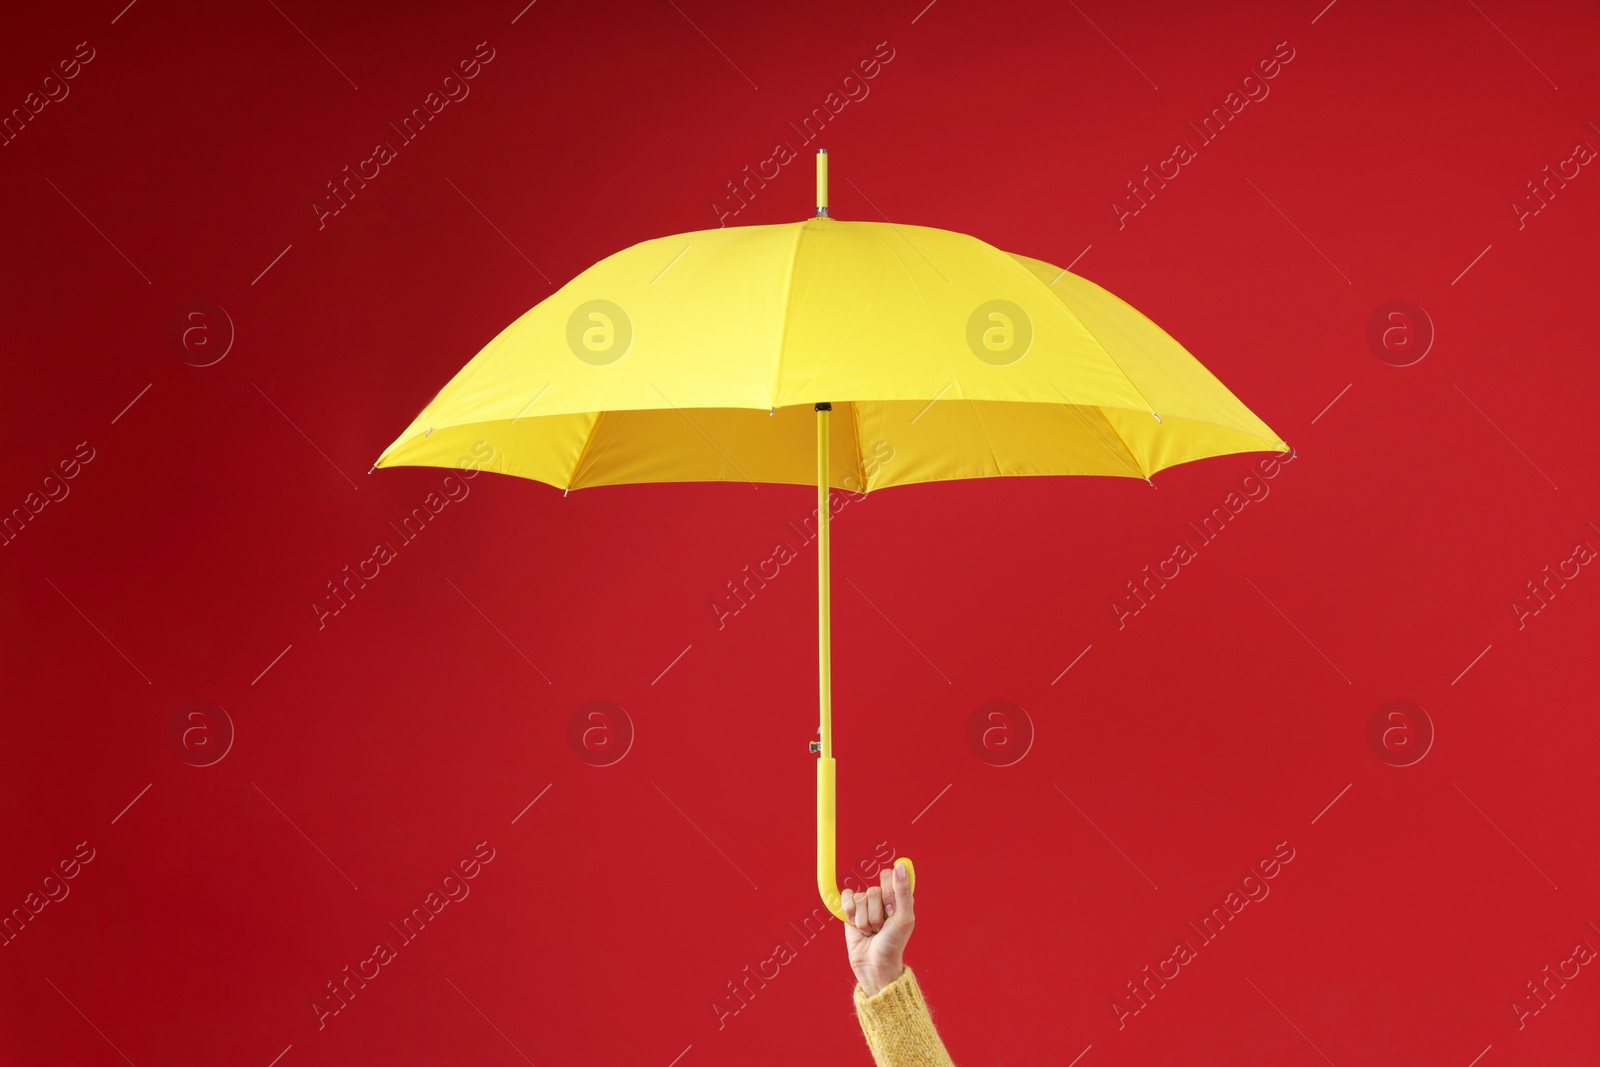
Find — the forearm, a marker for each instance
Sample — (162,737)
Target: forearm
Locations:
(898,1025)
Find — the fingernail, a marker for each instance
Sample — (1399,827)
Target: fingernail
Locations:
(888,909)
(900,871)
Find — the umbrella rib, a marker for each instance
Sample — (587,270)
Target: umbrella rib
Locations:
(855,415)
(986,439)
(1050,288)
(1112,358)
(1118,434)
(1126,455)
(702,433)
(584,451)
(1068,308)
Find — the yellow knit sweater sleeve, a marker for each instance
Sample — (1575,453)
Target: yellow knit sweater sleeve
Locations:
(898,1026)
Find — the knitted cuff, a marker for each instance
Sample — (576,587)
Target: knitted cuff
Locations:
(898,1025)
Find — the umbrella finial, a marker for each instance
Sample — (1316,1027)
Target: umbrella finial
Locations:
(822,183)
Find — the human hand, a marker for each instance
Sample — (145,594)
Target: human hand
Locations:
(877,926)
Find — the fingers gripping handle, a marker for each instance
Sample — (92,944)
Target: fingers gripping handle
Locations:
(827,878)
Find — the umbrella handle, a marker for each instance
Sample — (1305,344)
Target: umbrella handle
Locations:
(827,880)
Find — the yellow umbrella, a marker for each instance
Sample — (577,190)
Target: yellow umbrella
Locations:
(706,356)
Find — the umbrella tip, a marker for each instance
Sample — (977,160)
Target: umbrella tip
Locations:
(822,183)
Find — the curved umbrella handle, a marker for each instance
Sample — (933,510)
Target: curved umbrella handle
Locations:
(827,880)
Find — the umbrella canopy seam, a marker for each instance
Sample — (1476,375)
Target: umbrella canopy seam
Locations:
(927,312)
(1049,288)
(783,314)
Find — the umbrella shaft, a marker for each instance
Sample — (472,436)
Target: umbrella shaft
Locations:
(827,878)
(824,665)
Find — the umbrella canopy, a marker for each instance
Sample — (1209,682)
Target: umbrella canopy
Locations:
(699,357)
(741,354)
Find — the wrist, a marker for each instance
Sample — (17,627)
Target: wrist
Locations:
(873,979)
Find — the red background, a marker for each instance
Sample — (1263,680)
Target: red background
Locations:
(371,755)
